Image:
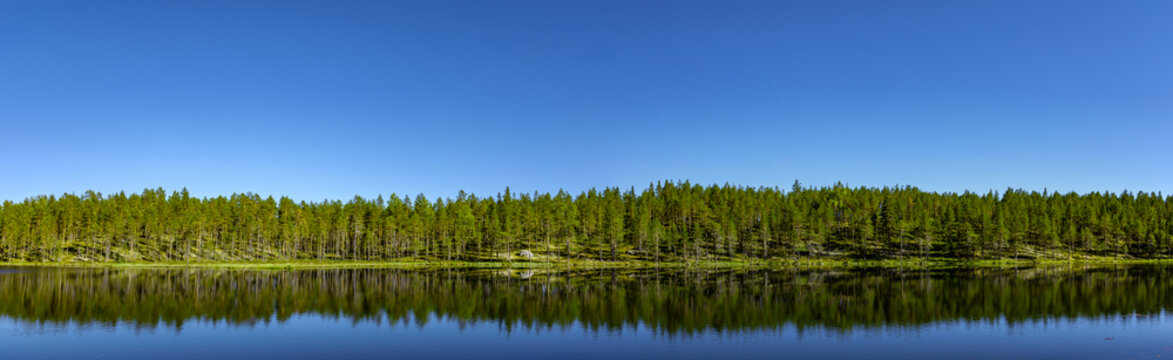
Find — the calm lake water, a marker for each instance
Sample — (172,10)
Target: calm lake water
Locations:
(1079,312)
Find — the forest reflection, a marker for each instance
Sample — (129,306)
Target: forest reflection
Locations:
(671,302)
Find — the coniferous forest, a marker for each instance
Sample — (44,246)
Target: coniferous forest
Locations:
(667,221)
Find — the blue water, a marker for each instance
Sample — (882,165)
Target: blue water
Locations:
(319,337)
(317,334)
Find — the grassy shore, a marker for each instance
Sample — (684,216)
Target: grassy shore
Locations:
(819,263)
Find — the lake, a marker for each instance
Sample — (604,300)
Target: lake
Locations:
(1061,312)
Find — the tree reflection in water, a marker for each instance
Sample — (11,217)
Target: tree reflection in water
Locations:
(670,302)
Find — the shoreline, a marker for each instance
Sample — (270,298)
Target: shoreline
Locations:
(939,263)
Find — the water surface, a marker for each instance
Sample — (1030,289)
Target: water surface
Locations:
(1079,312)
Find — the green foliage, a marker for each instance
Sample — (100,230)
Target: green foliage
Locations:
(668,221)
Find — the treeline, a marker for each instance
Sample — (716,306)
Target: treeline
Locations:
(667,221)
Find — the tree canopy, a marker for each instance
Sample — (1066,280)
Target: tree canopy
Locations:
(667,221)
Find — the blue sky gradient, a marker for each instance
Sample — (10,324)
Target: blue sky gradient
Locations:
(328,99)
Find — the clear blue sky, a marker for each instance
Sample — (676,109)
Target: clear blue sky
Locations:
(328,99)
